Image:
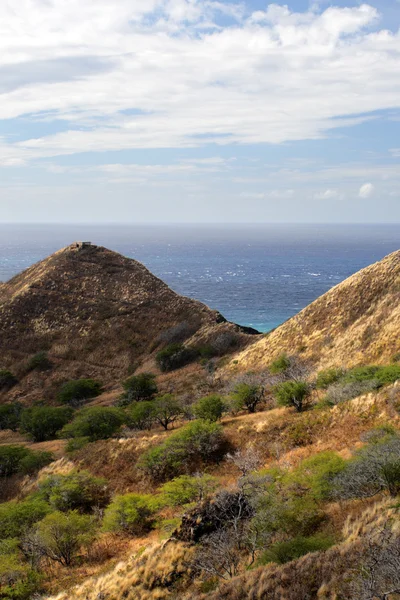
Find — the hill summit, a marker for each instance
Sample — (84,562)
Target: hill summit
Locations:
(97,314)
(355,322)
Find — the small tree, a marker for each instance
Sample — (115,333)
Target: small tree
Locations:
(62,535)
(10,459)
(248,396)
(186,488)
(17,459)
(140,387)
(7,379)
(167,410)
(292,393)
(174,356)
(141,415)
(39,362)
(131,513)
(184,450)
(16,517)
(76,391)
(10,415)
(210,408)
(280,364)
(78,490)
(43,422)
(246,460)
(96,423)
(328,377)
(374,469)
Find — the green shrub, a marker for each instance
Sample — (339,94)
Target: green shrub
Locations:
(167,409)
(39,362)
(315,474)
(210,408)
(196,443)
(175,356)
(247,396)
(389,374)
(76,391)
(96,423)
(280,364)
(130,513)
(75,444)
(141,415)
(18,459)
(292,393)
(186,489)
(328,377)
(35,461)
(61,536)
(78,490)
(10,415)
(10,459)
(16,517)
(139,387)
(361,374)
(284,552)
(43,422)
(7,379)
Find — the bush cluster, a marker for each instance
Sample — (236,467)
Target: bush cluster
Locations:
(18,459)
(196,443)
(43,422)
(174,357)
(96,423)
(76,391)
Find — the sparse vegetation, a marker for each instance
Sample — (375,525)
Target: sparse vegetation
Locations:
(283,552)
(328,377)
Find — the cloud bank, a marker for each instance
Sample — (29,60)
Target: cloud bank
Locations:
(130,74)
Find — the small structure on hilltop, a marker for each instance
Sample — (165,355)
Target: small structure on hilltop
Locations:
(80,245)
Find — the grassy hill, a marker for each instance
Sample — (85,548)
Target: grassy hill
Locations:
(214,482)
(355,322)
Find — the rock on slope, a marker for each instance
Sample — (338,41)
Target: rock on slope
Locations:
(97,314)
(357,321)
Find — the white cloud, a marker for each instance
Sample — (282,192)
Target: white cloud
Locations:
(366,190)
(395,152)
(327,195)
(166,73)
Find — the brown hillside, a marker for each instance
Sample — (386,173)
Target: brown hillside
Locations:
(357,321)
(97,314)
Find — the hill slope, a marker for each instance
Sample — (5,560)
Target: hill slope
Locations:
(97,314)
(357,321)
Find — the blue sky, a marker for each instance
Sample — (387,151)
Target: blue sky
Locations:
(199,111)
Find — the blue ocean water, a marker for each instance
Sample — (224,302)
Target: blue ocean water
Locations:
(255,275)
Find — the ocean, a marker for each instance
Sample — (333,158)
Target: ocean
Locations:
(255,275)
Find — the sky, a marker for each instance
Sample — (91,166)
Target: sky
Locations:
(199,111)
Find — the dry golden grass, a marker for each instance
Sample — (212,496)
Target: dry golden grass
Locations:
(157,573)
(356,322)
